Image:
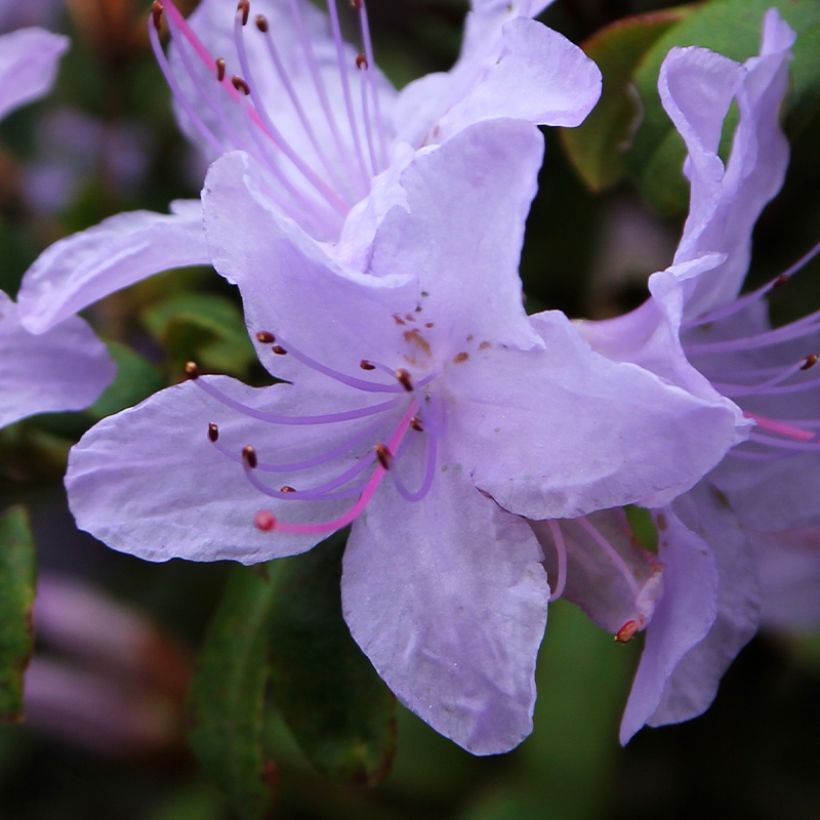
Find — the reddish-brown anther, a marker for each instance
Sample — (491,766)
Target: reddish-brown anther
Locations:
(781,280)
(265,337)
(220,69)
(416,424)
(262,23)
(240,85)
(366,365)
(279,350)
(356,4)
(384,455)
(287,489)
(245,7)
(361,61)
(249,455)
(213,431)
(191,370)
(405,380)
(156,14)
(809,361)
(627,632)
(264,520)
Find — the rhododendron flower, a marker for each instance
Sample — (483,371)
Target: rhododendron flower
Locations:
(697,332)
(327,131)
(68,367)
(425,409)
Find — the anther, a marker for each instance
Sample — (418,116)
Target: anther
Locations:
(287,489)
(191,370)
(361,61)
(366,365)
(156,14)
(809,361)
(240,85)
(384,455)
(213,432)
(279,350)
(416,424)
(264,520)
(404,379)
(261,23)
(220,69)
(249,456)
(265,337)
(245,7)
(627,632)
(356,5)
(781,280)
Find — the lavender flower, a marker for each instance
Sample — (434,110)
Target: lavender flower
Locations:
(697,332)
(68,367)
(425,409)
(328,132)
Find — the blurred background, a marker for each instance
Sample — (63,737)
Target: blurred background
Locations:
(105,730)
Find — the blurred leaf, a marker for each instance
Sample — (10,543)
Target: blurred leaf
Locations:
(596,148)
(732,28)
(17,579)
(227,697)
(136,379)
(194,802)
(201,326)
(339,711)
(643,526)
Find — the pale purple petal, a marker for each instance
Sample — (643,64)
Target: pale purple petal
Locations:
(461,232)
(684,614)
(82,268)
(521,70)
(694,681)
(64,369)
(613,588)
(148,481)
(563,432)
(28,65)
(449,601)
(697,87)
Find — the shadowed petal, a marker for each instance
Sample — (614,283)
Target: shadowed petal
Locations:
(448,600)
(64,369)
(123,249)
(28,64)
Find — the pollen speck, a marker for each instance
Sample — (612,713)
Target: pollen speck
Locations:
(414,337)
(484,346)
(461,357)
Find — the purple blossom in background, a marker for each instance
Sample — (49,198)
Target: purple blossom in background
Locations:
(697,332)
(426,409)
(327,132)
(68,367)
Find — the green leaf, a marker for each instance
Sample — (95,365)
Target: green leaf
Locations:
(732,28)
(136,379)
(226,701)
(596,148)
(201,326)
(17,580)
(339,711)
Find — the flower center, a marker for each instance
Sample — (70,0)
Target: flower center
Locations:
(767,372)
(316,129)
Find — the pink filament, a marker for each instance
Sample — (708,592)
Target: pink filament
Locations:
(561,557)
(781,427)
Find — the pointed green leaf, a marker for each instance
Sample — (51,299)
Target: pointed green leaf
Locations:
(732,28)
(17,580)
(339,711)
(596,148)
(227,697)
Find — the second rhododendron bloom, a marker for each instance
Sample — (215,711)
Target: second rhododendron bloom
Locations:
(424,408)
(327,131)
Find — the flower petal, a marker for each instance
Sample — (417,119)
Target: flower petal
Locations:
(520,70)
(683,616)
(64,369)
(28,65)
(123,249)
(448,600)
(693,683)
(148,481)
(461,232)
(563,432)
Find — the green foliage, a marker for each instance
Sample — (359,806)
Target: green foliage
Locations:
(597,147)
(17,581)
(201,326)
(136,379)
(279,630)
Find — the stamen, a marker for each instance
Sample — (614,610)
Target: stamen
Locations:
(429,470)
(628,631)
(191,370)
(213,432)
(244,7)
(809,361)
(611,553)
(384,455)
(405,379)
(361,62)
(765,387)
(561,556)
(366,365)
(249,456)
(220,69)
(264,521)
(265,337)
(279,350)
(364,25)
(156,14)
(796,330)
(417,424)
(805,447)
